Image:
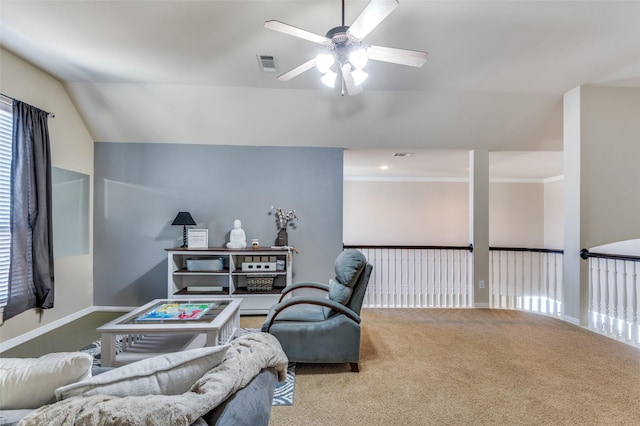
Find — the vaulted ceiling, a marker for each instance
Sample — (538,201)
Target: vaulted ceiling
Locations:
(187,71)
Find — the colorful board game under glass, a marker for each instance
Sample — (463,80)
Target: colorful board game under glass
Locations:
(177,311)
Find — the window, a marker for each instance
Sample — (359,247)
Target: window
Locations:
(6,132)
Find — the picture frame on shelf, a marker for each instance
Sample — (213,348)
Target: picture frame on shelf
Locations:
(198,238)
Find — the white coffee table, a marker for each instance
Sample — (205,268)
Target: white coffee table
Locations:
(146,334)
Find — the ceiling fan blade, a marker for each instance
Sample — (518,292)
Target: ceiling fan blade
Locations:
(349,82)
(371,16)
(298,70)
(296,32)
(412,58)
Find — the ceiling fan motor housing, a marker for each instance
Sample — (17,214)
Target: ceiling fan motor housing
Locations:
(341,43)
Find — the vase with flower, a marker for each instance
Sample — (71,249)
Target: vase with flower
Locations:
(283,220)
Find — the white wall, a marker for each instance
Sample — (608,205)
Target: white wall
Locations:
(436,213)
(72,149)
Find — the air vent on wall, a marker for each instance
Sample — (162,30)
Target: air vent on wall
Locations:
(267,63)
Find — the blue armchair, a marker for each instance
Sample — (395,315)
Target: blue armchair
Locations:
(314,329)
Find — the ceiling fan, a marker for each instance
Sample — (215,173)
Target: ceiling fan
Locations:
(345,53)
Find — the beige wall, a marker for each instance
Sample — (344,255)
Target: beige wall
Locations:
(72,149)
(408,213)
(609,175)
(436,213)
(553,214)
(516,215)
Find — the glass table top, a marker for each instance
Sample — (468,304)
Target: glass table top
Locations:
(178,312)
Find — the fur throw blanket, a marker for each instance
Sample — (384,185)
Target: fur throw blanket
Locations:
(245,358)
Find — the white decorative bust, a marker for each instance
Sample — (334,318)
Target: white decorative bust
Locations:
(237,238)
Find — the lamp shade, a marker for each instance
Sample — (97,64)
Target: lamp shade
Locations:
(184,218)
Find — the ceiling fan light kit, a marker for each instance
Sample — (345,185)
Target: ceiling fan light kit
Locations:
(329,79)
(324,61)
(346,54)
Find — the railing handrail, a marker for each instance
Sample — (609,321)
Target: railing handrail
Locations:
(536,250)
(469,247)
(382,246)
(585,254)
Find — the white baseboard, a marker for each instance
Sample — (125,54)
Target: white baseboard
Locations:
(571,320)
(11,343)
(482,305)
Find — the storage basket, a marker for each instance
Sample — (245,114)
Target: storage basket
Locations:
(260,283)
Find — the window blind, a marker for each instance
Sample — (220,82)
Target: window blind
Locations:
(6,137)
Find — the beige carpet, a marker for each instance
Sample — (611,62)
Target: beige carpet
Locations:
(471,367)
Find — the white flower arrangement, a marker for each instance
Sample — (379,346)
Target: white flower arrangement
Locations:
(284,219)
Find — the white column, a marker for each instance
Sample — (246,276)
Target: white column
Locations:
(479,225)
(573,265)
(602,196)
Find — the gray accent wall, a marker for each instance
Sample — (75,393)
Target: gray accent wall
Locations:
(139,189)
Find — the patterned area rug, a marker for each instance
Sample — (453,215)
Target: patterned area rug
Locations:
(283,394)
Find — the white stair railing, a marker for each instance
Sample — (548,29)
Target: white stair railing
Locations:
(440,277)
(418,277)
(527,279)
(613,295)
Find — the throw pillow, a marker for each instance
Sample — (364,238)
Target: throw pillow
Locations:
(168,374)
(31,382)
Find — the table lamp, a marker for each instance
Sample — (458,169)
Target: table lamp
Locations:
(184,219)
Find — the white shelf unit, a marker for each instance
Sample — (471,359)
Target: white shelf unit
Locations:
(231,281)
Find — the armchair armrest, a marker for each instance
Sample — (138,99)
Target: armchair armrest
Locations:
(297,286)
(320,301)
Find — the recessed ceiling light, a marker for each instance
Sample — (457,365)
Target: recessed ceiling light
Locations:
(402,154)
(384,167)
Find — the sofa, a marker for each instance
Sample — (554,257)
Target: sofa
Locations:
(231,384)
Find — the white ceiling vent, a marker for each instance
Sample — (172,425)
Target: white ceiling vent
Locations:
(267,63)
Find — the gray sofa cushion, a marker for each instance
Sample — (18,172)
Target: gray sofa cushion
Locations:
(12,417)
(250,405)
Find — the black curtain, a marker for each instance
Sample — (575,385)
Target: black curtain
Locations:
(31,268)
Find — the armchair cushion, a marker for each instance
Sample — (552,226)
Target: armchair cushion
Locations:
(302,313)
(349,266)
(338,292)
